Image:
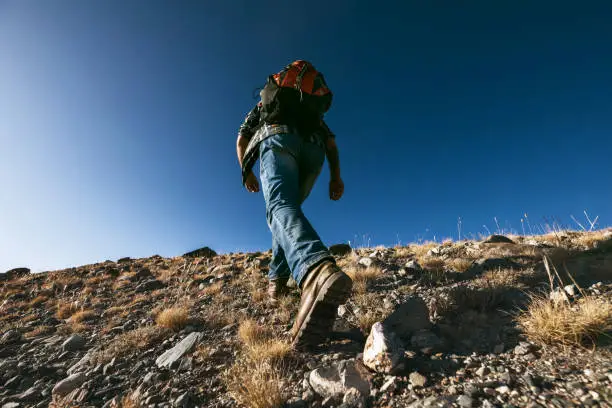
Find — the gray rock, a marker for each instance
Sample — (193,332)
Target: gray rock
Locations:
(13,383)
(31,394)
(413,266)
(147,286)
(482,371)
(340,249)
(383,351)
(177,352)
(431,402)
(15,273)
(408,318)
(184,401)
(367,262)
(465,401)
(497,239)
(82,364)
(73,343)
(11,405)
(417,379)
(570,290)
(353,399)
(336,380)
(204,252)
(11,337)
(67,385)
(523,348)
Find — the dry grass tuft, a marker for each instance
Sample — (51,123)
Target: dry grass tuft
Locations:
(589,240)
(256,379)
(369,309)
(363,275)
(39,331)
(65,309)
(114,311)
(460,264)
(548,323)
(83,315)
(213,289)
(432,264)
(129,401)
(420,251)
(255,385)
(38,300)
(251,333)
(174,318)
(132,341)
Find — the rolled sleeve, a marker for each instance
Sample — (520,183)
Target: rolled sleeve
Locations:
(251,122)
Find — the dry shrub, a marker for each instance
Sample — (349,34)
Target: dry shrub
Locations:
(129,401)
(255,384)
(132,341)
(286,307)
(39,331)
(460,264)
(174,318)
(83,315)
(38,300)
(114,310)
(213,289)
(432,264)
(588,240)
(65,309)
(363,275)
(548,322)
(368,309)
(78,328)
(498,277)
(249,332)
(421,250)
(256,379)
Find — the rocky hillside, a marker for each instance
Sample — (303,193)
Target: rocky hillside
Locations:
(506,322)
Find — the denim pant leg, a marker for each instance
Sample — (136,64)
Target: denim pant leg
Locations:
(279,268)
(284,160)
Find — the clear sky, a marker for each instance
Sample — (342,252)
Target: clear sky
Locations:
(118,120)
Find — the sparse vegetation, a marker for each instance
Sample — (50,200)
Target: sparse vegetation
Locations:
(132,341)
(174,318)
(550,323)
(65,309)
(256,379)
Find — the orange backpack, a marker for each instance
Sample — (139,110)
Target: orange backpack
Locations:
(297,96)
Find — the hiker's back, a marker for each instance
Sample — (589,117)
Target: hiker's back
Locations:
(297,96)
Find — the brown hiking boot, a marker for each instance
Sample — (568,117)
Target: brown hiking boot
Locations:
(276,288)
(326,287)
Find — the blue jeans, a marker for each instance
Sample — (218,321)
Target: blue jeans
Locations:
(289,167)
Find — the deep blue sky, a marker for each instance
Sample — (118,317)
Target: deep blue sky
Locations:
(118,120)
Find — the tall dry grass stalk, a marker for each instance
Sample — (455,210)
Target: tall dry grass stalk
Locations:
(255,380)
(551,322)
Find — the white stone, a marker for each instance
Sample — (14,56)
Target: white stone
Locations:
(336,380)
(382,352)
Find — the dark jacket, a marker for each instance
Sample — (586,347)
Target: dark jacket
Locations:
(253,129)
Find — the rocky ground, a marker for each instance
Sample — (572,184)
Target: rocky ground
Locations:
(431,325)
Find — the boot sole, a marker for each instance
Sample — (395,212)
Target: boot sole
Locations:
(319,321)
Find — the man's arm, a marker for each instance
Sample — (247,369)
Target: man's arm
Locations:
(333,158)
(336,185)
(246,131)
(241,145)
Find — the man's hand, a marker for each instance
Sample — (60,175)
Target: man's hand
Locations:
(336,188)
(251,183)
